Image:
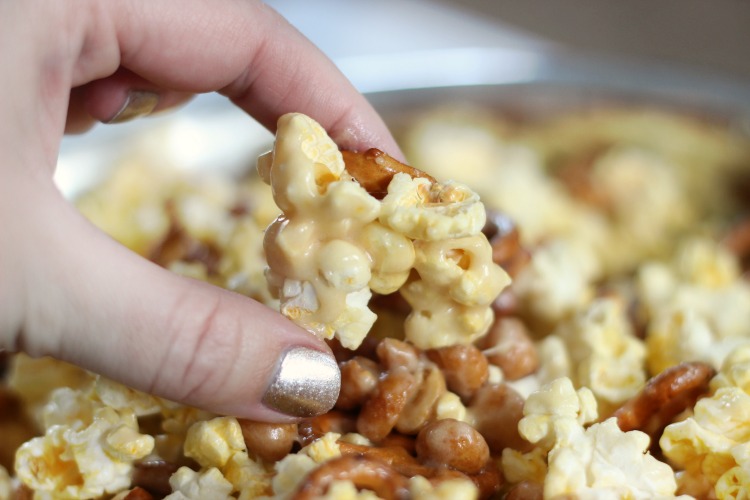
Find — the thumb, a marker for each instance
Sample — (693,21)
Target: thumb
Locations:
(92,302)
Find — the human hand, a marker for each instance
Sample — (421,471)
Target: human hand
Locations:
(69,291)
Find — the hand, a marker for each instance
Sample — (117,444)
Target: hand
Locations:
(69,291)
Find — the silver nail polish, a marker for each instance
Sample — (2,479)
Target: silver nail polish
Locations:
(138,103)
(306,383)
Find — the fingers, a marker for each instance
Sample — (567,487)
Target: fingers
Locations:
(125,96)
(241,48)
(84,298)
(118,98)
(99,306)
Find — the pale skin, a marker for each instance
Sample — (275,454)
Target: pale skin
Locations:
(69,291)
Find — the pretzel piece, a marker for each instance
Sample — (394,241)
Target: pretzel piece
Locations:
(374,169)
(365,473)
(664,397)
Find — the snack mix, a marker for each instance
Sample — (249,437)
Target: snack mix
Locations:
(583,331)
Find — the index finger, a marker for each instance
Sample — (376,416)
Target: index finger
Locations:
(243,49)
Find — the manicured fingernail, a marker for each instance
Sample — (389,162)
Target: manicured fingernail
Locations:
(306,383)
(138,103)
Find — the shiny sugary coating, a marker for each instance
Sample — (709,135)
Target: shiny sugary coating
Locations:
(335,244)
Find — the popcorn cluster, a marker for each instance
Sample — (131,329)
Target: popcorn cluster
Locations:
(87,450)
(698,303)
(335,243)
(599,461)
(596,349)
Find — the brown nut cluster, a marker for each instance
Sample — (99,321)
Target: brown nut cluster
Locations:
(389,395)
(405,394)
(445,449)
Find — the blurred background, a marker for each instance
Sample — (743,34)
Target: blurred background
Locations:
(711,36)
(708,35)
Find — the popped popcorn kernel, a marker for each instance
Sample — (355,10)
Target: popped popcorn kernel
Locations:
(556,409)
(733,484)
(84,462)
(323,448)
(604,462)
(420,487)
(188,484)
(290,472)
(392,254)
(530,466)
(421,210)
(119,396)
(247,476)
(437,321)
(698,306)
(212,443)
(312,245)
(70,407)
(735,371)
(570,459)
(558,281)
(449,405)
(6,485)
(602,352)
(34,379)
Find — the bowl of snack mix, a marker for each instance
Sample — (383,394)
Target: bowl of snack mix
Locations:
(553,303)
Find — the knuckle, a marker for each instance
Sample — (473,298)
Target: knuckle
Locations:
(204,346)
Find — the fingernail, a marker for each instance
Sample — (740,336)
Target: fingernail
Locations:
(306,383)
(138,103)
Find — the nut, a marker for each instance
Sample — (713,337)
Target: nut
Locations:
(497,409)
(359,378)
(381,412)
(452,444)
(269,442)
(464,367)
(509,346)
(421,408)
